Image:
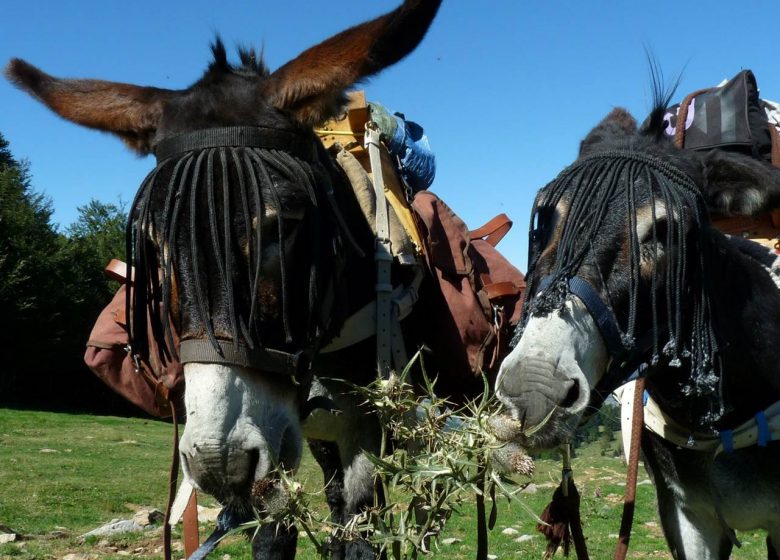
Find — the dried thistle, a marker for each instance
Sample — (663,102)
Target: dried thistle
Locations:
(439,459)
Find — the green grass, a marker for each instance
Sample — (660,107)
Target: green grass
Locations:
(73,473)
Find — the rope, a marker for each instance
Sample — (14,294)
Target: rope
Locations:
(682,117)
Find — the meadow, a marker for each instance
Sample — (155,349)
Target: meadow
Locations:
(62,475)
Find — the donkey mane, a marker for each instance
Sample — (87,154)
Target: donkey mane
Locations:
(252,64)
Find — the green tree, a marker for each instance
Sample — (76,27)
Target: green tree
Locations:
(52,288)
(29,247)
(93,240)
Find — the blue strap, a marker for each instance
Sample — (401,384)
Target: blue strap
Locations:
(601,313)
(764,436)
(727,439)
(227,520)
(645,398)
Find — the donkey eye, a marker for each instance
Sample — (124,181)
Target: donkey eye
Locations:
(661,229)
(650,232)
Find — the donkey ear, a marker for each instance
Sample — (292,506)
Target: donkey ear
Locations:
(739,185)
(617,124)
(131,112)
(311,87)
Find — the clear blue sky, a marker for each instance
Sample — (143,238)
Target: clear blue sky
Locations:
(504,88)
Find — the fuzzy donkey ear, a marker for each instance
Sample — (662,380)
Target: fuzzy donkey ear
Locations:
(739,185)
(131,112)
(618,123)
(311,87)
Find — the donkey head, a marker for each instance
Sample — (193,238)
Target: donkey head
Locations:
(617,274)
(235,234)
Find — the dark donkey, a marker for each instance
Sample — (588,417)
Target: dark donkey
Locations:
(627,274)
(248,236)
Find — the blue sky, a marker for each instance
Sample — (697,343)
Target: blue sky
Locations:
(504,88)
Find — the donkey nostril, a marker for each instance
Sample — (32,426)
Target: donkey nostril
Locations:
(572,395)
(254,461)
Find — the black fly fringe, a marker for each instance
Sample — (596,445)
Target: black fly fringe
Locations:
(210,204)
(590,187)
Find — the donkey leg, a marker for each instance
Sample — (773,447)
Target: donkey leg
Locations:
(361,490)
(275,541)
(349,491)
(772,553)
(354,432)
(327,456)
(692,529)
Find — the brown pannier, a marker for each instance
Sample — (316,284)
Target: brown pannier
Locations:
(149,385)
(481,289)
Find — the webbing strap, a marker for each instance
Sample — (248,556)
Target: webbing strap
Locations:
(267,359)
(764,434)
(244,136)
(382,254)
(727,440)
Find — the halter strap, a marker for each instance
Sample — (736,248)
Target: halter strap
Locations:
(268,359)
(601,313)
(237,136)
(627,363)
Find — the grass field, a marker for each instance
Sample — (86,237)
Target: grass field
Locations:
(62,475)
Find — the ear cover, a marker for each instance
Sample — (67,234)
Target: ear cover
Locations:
(739,185)
(131,112)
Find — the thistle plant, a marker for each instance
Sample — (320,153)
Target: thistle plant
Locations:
(433,459)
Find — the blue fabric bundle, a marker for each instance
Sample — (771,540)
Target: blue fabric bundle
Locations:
(407,140)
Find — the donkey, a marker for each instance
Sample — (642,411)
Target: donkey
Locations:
(247,235)
(626,275)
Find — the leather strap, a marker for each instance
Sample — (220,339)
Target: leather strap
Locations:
(775,136)
(190,525)
(185,509)
(629,502)
(501,289)
(173,476)
(117,270)
(493,231)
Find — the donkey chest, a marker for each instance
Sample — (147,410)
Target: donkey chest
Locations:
(746,486)
(742,488)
